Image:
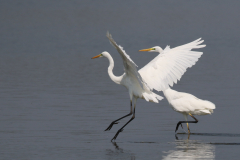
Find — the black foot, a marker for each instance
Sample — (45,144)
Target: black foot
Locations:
(114,138)
(177,126)
(110,126)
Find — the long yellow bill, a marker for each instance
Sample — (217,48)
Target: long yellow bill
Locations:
(96,56)
(149,49)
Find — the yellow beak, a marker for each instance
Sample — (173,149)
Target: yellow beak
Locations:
(149,49)
(96,56)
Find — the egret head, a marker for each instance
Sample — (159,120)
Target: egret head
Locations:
(153,49)
(103,54)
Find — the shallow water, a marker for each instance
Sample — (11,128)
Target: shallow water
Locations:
(56,102)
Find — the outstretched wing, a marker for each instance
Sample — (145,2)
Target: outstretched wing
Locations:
(129,65)
(170,65)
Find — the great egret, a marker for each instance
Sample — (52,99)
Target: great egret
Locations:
(157,74)
(184,103)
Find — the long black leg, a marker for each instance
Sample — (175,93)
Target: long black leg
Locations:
(180,122)
(121,129)
(115,122)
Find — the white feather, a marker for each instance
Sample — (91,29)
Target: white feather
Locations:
(186,103)
(169,66)
(129,65)
(132,80)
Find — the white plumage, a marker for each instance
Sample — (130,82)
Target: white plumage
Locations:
(181,102)
(169,66)
(162,71)
(131,79)
(188,104)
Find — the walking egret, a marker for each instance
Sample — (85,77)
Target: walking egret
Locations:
(157,74)
(181,102)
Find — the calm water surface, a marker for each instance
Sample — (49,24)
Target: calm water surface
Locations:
(56,102)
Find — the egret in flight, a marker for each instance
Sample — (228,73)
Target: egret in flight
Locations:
(158,74)
(185,103)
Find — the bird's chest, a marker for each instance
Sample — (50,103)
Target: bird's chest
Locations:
(132,85)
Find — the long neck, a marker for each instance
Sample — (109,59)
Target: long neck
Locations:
(110,70)
(159,49)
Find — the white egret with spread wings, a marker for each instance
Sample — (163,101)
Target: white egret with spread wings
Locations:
(181,102)
(158,74)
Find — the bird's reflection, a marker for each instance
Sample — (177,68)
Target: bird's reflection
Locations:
(176,136)
(119,153)
(190,149)
(116,146)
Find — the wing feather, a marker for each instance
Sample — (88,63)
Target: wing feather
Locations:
(129,65)
(168,67)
